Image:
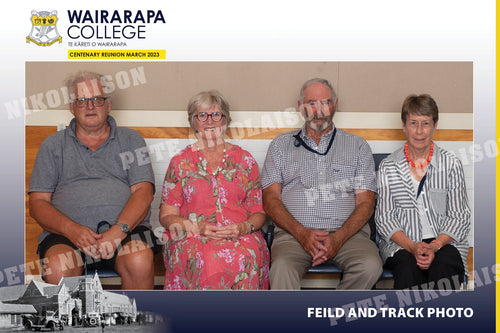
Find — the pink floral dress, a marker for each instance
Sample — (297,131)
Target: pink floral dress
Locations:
(196,262)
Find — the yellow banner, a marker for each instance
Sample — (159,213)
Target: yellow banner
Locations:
(116,54)
(29,39)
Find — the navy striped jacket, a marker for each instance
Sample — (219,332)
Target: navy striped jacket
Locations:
(444,196)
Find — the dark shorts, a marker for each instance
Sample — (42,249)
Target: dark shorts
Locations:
(140,232)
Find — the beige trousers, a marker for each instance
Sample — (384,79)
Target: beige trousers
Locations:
(358,258)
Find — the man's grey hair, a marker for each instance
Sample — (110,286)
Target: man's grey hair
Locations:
(72,80)
(317,80)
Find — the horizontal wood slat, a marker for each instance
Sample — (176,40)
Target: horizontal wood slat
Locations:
(36,134)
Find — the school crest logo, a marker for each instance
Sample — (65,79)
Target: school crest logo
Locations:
(44,31)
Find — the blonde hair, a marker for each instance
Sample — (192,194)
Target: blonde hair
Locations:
(207,100)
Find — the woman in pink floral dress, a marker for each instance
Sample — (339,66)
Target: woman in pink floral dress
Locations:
(211,208)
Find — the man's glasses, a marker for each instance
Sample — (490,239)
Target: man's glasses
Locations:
(315,102)
(203,116)
(97,101)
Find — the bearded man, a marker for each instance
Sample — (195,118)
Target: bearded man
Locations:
(319,189)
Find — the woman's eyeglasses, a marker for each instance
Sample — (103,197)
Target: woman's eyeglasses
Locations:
(203,116)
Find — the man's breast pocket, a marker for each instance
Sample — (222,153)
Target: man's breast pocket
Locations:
(341,176)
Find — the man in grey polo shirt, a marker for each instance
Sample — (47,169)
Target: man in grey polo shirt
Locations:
(94,171)
(319,189)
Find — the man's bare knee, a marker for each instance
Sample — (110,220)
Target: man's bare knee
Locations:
(61,261)
(136,256)
(136,268)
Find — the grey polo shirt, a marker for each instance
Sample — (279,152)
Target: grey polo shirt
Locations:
(91,186)
(319,191)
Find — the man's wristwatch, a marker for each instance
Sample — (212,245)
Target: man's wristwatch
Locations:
(124,227)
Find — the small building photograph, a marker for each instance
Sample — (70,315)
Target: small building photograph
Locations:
(75,301)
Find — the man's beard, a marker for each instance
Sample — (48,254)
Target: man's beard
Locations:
(321,126)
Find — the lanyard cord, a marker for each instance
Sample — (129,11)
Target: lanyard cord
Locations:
(299,142)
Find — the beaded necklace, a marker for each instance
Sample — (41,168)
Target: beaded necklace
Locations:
(420,165)
(204,163)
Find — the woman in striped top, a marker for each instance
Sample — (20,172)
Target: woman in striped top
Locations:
(422,215)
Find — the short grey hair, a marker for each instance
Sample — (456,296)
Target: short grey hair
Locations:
(72,81)
(317,80)
(207,100)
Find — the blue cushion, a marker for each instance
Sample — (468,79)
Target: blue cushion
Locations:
(105,273)
(325,268)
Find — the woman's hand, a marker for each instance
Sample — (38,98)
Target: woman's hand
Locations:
(182,227)
(208,230)
(424,254)
(234,231)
